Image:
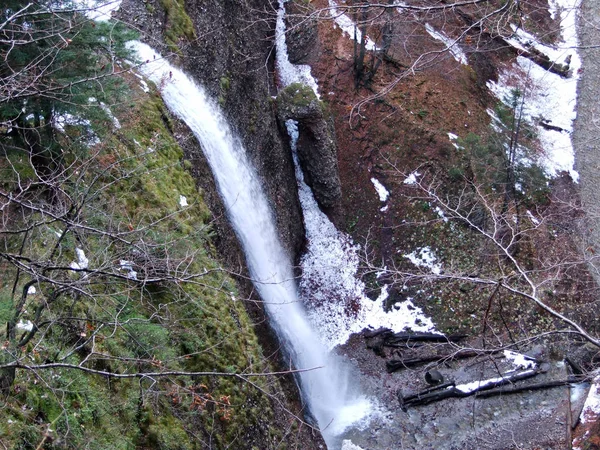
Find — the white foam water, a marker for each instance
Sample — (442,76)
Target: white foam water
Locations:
(324,384)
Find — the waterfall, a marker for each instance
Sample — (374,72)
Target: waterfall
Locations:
(324,384)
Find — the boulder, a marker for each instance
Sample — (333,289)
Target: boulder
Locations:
(316,145)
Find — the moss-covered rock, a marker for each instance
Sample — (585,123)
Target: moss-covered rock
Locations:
(134,183)
(316,146)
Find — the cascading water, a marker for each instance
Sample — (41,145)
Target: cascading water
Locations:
(324,384)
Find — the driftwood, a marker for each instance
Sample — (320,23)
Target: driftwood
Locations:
(530,387)
(398,364)
(384,337)
(406,338)
(449,390)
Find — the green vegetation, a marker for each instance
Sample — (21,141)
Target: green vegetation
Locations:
(179,25)
(109,267)
(300,96)
(159,326)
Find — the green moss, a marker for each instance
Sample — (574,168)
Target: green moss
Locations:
(179,25)
(193,326)
(299,94)
(224,83)
(167,433)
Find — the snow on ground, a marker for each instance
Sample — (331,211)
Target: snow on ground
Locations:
(533,219)
(347,26)
(100,10)
(591,407)
(110,115)
(26,326)
(143,83)
(127,266)
(82,261)
(329,285)
(453,138)
(183,201)
(88,137)
(289,73)
(451,45)
(424,257)
(547,96)
(412,178)
(381,190)
(519,361)
(440,212)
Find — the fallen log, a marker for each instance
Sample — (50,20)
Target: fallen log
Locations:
(529,387)
(465,390)
(398,364)
(384,337)
(403,400)
(405,338)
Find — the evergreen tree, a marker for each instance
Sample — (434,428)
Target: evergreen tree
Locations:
(56,61)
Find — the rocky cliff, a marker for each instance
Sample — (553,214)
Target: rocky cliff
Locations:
(228,47)
(141,161)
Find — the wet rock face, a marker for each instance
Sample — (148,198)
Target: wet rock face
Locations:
(316,143)
(302,37)
(232,58)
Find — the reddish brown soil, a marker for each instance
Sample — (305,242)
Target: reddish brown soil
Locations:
(407,129)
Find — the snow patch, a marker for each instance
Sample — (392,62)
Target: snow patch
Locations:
(451,44)
(82,261)
(348,26)
(183,201)
(381,190)
(412,178)
(533,219)
(127,266)
(88,137)
(518,360)
(440,212)
(99,10)
(424,257)
(26,326)
(144,86)
(453,138)
(109,113)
